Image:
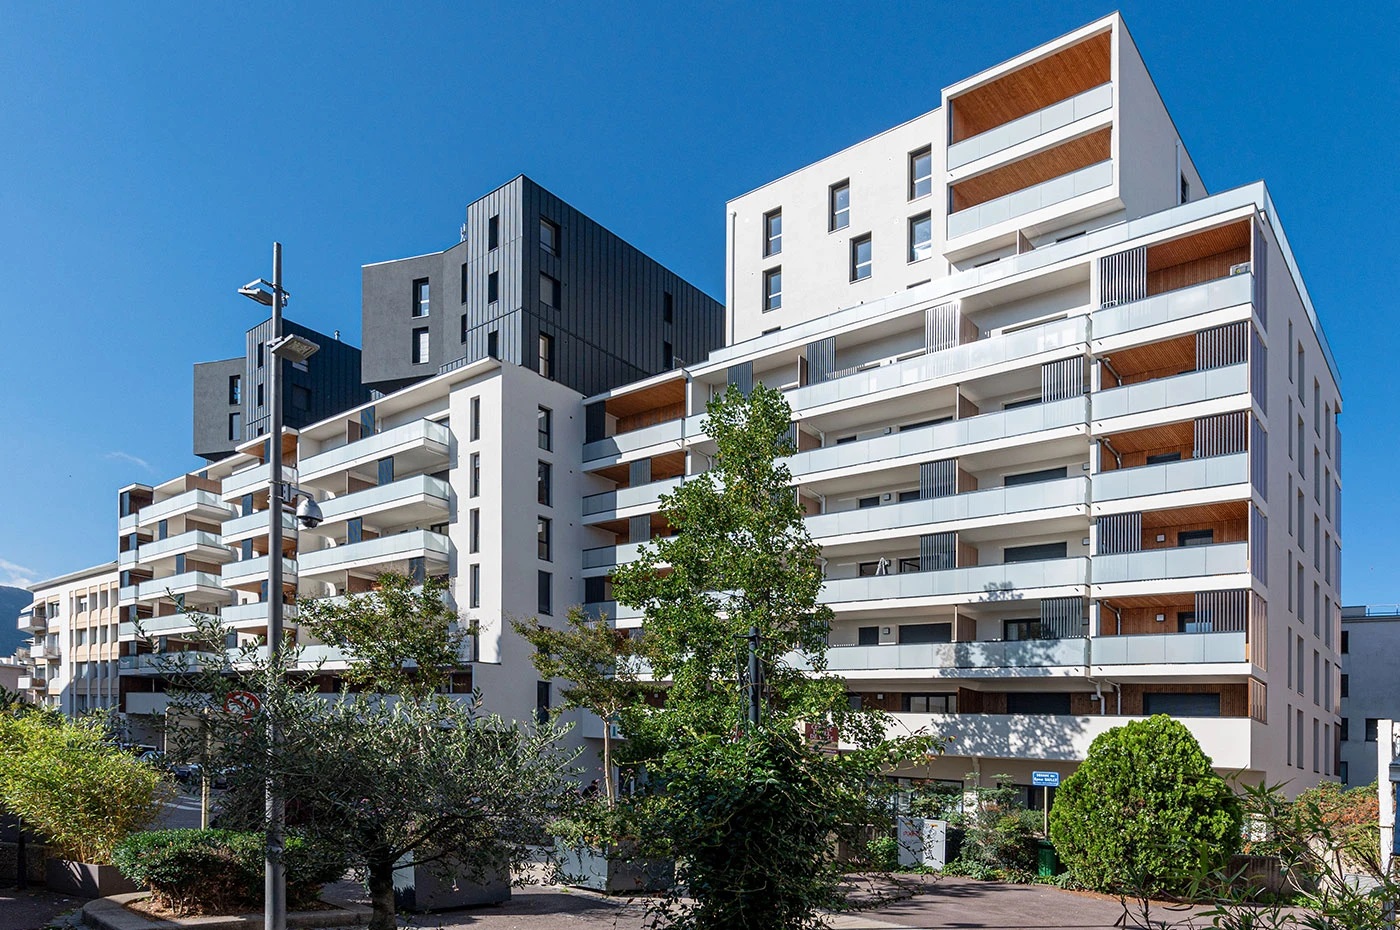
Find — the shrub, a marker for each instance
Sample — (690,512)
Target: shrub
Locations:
(884,853)
(219,871)
(1144,812)
(1000,840)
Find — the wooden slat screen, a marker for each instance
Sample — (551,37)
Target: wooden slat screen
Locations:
(1123,277)
(1062,379)
(942,324)
(1225,611)
(1120,532)
(1222,345)
(1063,617)
(938,479)
(821,360)
(1221,434)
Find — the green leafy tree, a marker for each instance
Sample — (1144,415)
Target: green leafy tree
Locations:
(599,664)
(73,786)
(753,812)
(1144,811)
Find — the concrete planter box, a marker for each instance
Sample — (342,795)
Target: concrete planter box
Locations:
(84,879)
(436,886)
(614,870)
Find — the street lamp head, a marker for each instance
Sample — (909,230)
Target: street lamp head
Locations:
(294,348)
(261,290)
(309,513)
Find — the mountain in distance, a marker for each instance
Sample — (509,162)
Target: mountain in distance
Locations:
(12,601)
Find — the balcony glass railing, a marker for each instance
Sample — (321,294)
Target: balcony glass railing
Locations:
(957,360)
(197,499)
(1174,305)
(993,502)
(419,489)
(394,548)
(1168,649)
(155,626)
(1094,100)
(622,443)
(1041,653)
(623,498)
(250,479)
(1190,475)
(992,582)
(1179,562)
(255,524)
(256,568)
(1045,194)
(420,434)
(1176,391)
(184,583)
(181,542)
(941,437)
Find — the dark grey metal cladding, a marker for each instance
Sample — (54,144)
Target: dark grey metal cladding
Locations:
(212,407)
(331,380)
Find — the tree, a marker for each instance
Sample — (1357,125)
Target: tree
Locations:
(1144,812)
(753,812)
(599,664)
(70,784)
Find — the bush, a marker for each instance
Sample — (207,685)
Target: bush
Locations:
(884,853)
(1001,836)
(1145,812)
(220,871)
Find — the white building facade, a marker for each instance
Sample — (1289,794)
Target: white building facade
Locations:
(1369,692)
(72,656)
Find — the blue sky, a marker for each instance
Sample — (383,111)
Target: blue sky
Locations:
(149,155)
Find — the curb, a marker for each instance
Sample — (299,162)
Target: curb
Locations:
(111,914)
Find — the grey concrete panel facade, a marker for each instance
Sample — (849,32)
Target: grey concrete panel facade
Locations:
(215,403)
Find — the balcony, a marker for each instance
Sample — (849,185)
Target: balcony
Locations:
(943,437)
(146,704)
(1170,649)
(612,610)
(126,559)
(155,626)
(201,586)
(1166,393)
(32,622)
(383,552)
(918,371)
(208,546)
(1227,740)
(1173,563)
(1172,306)
(1025,128)
(1190,475)
(254,525)
(253,479)
(196,503)
(420,499)
(127,523)
(984,505)
(1036,197)
(422,442)
(1006,659)
(160,663)
(31,682)
(253,614)
(672,431)
(42,651)
(990,582)
(254,571)
(643,495)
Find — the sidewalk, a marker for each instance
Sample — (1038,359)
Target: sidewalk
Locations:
(33,909)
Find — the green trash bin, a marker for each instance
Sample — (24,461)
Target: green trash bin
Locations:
(1047,863)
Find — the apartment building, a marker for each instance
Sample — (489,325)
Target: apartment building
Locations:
(1370,638)
(533,282)
(230,395)
(72,658)
(1067,426)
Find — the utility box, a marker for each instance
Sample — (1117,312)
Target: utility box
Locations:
(922,842)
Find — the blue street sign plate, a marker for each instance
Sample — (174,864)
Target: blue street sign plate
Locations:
(1045,779)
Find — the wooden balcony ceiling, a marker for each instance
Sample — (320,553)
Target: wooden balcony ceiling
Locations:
(1171,356)
(1170,601)
(666,394)
(1199,245)
(663,466)
(1057,77)
(1034,169)
(1190,516)
(1173,435)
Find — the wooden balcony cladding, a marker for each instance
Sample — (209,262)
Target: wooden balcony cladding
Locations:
(1229,521)
(1195,259)
(1150,362)
(648,406)
(1134,448)
(1054,78)
(1034,169)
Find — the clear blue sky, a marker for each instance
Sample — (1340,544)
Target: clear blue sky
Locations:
(150,153)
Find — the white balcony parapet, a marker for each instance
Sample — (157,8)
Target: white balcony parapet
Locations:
(422,490)
(1176,391)
(201,583)
(1177,562)
(154,663)
(30,682)
(612,610)
(126,559)
(972,505)
(155,626)
(254,525)
(32,622)
(991,582)
(1174,305)
(419,434)
(1169,649)
(253,612)
(128,594)
(127,523)
(1025,128)
(1168,477)
(669,432)
(186,502)
(921,369)
(255,569)
(1003,656)
(941,437)
(252,479)
(623,498)
(183,542)
(393,548)
(1045,194)
(1062,738)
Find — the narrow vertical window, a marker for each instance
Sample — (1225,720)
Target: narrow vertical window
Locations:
(920,237)
(421,353)
(235,426)
(493,232)
(668,356)
(465,278)
(549,237)
(544,484)
(840,208)
(546,356)
(772,233)
(474,479)
(474,531)
(235,389)
(921,173)
(544,428)
(549,291)
(474,586)
(668,307)
(772,289)
(493,287)
(544,529)
(493,344)
(861,263)
(421,297)
(476,419)
(546,593)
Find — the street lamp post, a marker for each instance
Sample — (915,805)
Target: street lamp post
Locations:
(298,349)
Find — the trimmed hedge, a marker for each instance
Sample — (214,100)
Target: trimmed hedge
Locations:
(220,871)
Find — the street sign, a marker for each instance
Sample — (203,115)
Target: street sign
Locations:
(1045,779)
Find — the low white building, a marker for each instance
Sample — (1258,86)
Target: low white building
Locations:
(72,657)
(1370,690)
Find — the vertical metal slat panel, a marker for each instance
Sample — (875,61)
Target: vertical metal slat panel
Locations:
(1062,379)
(639,472)
(1221,434)
(741,376)
(1259,545)
(1225,611)
(1123,276)
(1258,371)
(1259,457)
(1260,266)
(1120,532)
(639,528)
(1257,635)
(941,325)
(821,360)
(1222,345)
(1063,617)
(936,551)
(938,479)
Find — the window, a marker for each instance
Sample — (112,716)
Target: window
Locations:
(260,355)
(235,426)
(668,356)
(421,353)
(1346,641)
(474,586)
(1195,538)
(1162,458)
(1185,190)
(668,307)
(549,236)
(493,232)
(544,491)
(474,483)
(1034,553)
(1300,739)
(235,389)
(543,535)
(1298,659)
(1181,705)
(772,289)
(261,396)
(925,632)
(1344,731)
(420,297)
(476,419)
(542,701)
(1345,685)
(301,398)
(493,287)
(1372,729)
(930,703)
(1317,677)
(1034,477)
(549,291)
(772,233)
(464,327)
(1188,622)
(1290,361)
(1018,630)
(1317,407)
(466,276)
(920,237)
(545,593)
(861,258)
(1030,703)
(921,173)
(544,428)
(545,363)
(868,636)
(474,530)
(840,210)
(493,344)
